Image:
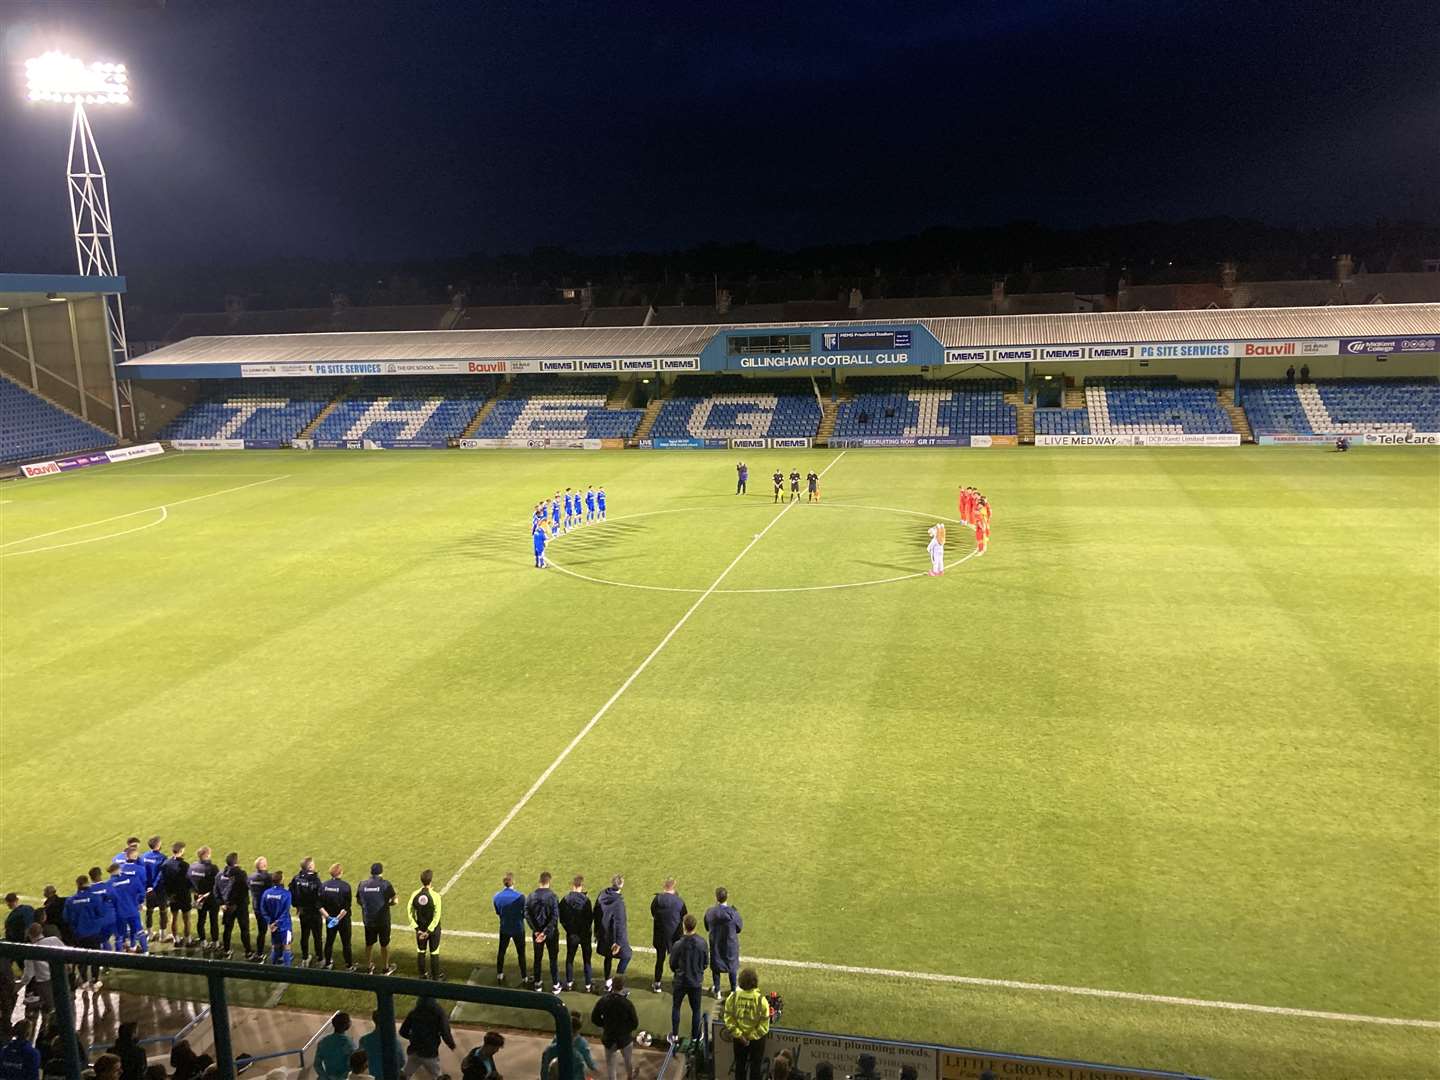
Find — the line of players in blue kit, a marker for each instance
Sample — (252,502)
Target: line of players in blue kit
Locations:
(563,513)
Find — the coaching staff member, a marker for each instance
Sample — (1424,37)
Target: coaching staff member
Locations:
(377,897)
(668,911)
(305,894)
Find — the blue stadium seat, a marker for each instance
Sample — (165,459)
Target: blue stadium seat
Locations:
(32,429)
(1378,406)
(915,408)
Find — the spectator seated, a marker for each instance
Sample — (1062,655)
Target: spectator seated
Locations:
(1062,422)
(761,409)
(33,429)
(261,410)
(916,408)
(1375,406)
(1154,406)
(425,409)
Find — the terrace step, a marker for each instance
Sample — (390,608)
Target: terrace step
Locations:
(647,421)
(330,406)
(485,410)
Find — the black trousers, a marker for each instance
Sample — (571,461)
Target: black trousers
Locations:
(573,942)
(310,923)
(261,929)
(751,1058)
(680,994)
(624,958)
(551,944)
(505,940)
(240,917)
(660,957)
(342,931)
(208,911)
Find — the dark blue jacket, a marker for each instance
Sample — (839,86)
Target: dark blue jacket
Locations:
(577,915)
(232,888)
(127,895)
(724,924)
(669,912)
(542,912)
(610,923)
(258,882)
(152,860)
(19,1060)
(510,906)
(688,959)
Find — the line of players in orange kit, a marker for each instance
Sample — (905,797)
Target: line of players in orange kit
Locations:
(975,511)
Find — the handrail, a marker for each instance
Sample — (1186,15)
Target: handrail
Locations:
(215,972)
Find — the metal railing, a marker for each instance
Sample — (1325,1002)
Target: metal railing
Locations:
(216,972)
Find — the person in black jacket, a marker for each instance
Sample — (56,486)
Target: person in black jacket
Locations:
(426,1027)
(614,1014)
(668,911)
(175,879)
(688,959)
(203,873)
(259,881)
(612,931)
(232,892)
(577,917)
(542,912)
(335,898)
(55,915)
(305,895)
(131,1054)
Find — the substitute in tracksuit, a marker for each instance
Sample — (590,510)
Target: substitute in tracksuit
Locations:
(128,889)
(335,897)
(179,897)
(723,923)
(275,904)
(377,897)
(232,892)
(612,931)
(259,881)
(152,860)
(509,905)
(424,909)
(668,911)
(542,912)
(577,916)
(203,873)
(91,918)
(688,958)
(305,894)
(98,884)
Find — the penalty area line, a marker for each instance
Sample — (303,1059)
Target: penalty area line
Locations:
(599,715)
(1051,988)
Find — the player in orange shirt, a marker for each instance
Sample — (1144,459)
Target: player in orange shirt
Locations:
(982,526)
(962,505)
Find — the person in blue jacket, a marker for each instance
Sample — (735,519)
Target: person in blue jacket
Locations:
(275,906)
(127,890)
(90,916)
(98,884)
(723,923)
(133,870)
(152,860)
(538,536)
(600,503)
(612,930)
(510,906)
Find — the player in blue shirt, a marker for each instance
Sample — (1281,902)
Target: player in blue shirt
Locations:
(538,534)
(275,906)
(590,503)
(104,889)
(555,515)
(152,860)
(600,503)
(131,873)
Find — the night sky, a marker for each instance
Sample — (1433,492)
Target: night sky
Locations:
(382,130)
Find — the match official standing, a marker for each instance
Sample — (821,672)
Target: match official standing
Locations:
(335,899)
(542,912)
(510,907)
(305,892)
(668,911)
(578,918)
(233,892)
(424,909)
(612,928)
(742,475)
(723,923)
(259,881)
(377,897)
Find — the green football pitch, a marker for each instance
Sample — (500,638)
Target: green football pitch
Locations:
(1175,736)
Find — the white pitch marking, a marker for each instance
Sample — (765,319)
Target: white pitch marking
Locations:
(1052,988)
(164,514)
(147,510)
(565,753)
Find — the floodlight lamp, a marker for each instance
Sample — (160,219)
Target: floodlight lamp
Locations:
(58,77)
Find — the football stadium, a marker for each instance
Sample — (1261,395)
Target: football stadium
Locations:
(921,688)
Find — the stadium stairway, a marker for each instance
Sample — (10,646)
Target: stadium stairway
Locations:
(309,429)
(827,422)
(621,396)
(1024,416)
(1074,397)
(652,410)
(1238,419)
(500,395)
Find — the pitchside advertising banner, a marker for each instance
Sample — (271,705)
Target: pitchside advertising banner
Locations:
(556,443)
(926,440)
(809,1048)
(684,444)
(769,444)
(599,365)
(1169,350)
(1395,438)
(1152,439)
(84,461)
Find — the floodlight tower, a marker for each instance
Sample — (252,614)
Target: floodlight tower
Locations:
(58,78)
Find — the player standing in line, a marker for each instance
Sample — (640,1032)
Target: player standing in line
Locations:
(779,479)
(542,912)
(555,516)
(539,538)
(742,474)
(275,910)
(794,485)
(133,870)
(424,908)
(569,510)
(590,503)
(600,503)
(982,525)
(812,483)
(936,548)
(152,860)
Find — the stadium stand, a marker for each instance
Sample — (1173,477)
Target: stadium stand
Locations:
(1124,405)
(769,408)
(33,428)
(261,410)
(1395,406)
(1062,422)
(404,407)
(568,408)
(906,407)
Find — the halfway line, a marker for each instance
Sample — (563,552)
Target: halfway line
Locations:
(544,776)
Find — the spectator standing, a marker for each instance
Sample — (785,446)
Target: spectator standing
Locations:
(175,879)
(746,1015)
(614,1014)
(232,892)
(36,977)
(579,1047)
(866,1068)
(375,1050)
(424,909)
(426,1027)
(479,1064)
(335,906)
(723,924)
(8,993)
(152,860)
(203,873)
(131,1054)
(377,897)
(332,1053)
(668,911)
(578,918)
(542,912)
(54,914)
(612,930)
(510,907)
(275,904)
(305,893)
(259,881)
(18,918)
(1304,372)
(1290,374)
(687,962)
(19,1060)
